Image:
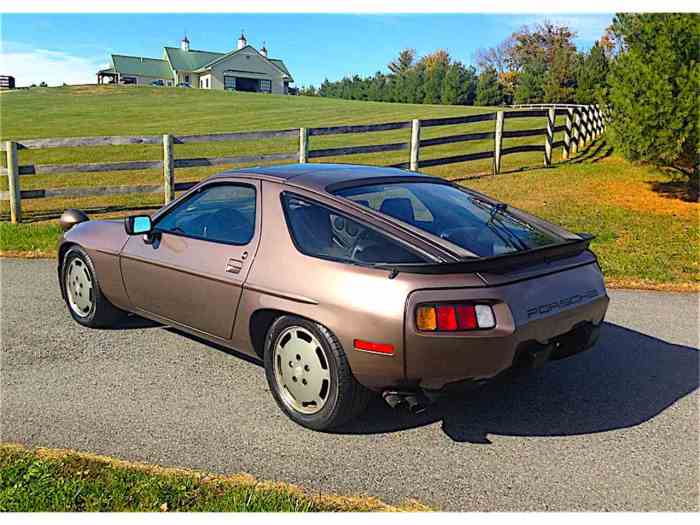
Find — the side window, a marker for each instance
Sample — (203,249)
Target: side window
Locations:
(321,232)
(220,213)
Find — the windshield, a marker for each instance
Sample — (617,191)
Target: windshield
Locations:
(454,215)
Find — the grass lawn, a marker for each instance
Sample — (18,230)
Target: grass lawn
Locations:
(127,110)
(51,480)
(646,236)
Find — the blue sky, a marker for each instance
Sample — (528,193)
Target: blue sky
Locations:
(70,48)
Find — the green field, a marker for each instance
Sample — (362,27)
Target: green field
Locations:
(51,480)
(110,110)
(647,235)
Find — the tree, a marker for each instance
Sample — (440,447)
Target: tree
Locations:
(654,84)
(459,85)
(488,89)
(560,80)
(308,91)
(591,76)
(403,63)
(540,44)
(530,89)
(497,57)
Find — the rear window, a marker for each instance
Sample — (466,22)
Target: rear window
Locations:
(454,215)
(322,232)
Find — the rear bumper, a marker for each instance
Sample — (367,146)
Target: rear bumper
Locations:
(567,323)
(533,354)
(471,361)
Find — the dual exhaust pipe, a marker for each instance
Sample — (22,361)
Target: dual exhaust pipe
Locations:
(408,400)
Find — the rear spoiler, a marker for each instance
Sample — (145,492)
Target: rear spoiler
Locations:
(499,263)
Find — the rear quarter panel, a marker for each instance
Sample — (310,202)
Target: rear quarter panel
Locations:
(351,301)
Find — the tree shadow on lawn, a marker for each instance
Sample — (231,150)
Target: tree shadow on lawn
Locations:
(627,379)
(679,187)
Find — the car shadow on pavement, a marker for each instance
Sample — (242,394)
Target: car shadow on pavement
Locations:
(627,379)
(133,322)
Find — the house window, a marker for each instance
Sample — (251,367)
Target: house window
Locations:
(206,83)
(187,79)
(229,82)
(266,86)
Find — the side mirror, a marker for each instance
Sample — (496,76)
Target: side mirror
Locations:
(138,224)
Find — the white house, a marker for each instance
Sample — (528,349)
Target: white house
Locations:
(243,69)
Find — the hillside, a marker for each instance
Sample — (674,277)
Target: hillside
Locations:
(130,110)
(80,111)
(646,234)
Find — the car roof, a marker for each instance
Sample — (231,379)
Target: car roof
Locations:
(328,177)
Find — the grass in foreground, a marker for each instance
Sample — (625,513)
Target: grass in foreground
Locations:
(42,480)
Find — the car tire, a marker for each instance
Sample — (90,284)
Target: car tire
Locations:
(345,397)
(86,303)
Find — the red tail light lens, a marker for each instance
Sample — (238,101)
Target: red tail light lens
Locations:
(454,317)
(446,317)
(467,317)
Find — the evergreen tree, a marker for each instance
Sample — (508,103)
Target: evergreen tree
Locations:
(560,80)
(488,89)
(530,89)
(654,85)
(591,76)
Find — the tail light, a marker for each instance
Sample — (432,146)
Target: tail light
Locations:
(451,317)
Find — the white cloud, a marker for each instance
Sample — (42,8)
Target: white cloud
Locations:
(32,66)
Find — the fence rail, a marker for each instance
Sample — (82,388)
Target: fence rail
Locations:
(583,124)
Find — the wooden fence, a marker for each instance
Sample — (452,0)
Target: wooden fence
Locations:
(583,124)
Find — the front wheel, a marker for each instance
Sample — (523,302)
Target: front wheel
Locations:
(82,292)
(309,375)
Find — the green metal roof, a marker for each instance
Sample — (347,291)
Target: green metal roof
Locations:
(280,64)
(275,62)
(147,67)
(189,60)
(179,60)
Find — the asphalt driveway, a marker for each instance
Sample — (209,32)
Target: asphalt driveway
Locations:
(615,428)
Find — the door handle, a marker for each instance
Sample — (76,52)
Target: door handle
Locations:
(234,266)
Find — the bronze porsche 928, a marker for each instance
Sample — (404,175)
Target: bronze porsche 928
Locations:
(344,280)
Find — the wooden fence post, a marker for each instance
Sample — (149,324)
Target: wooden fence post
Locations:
(589,124)
(594,112)
(566,151)
(414,159)
(576,132)
(168,169)
(584,128)
(498,142)
(13,182)
(303,145)
(549,137)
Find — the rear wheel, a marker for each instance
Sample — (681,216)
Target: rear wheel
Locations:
(309,375)
(82,292)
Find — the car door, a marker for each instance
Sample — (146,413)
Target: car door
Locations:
(192,267)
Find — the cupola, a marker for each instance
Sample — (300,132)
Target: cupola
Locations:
(242,42)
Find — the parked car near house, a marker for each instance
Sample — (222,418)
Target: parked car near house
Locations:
(184,85)
(344,280)
(158,83)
